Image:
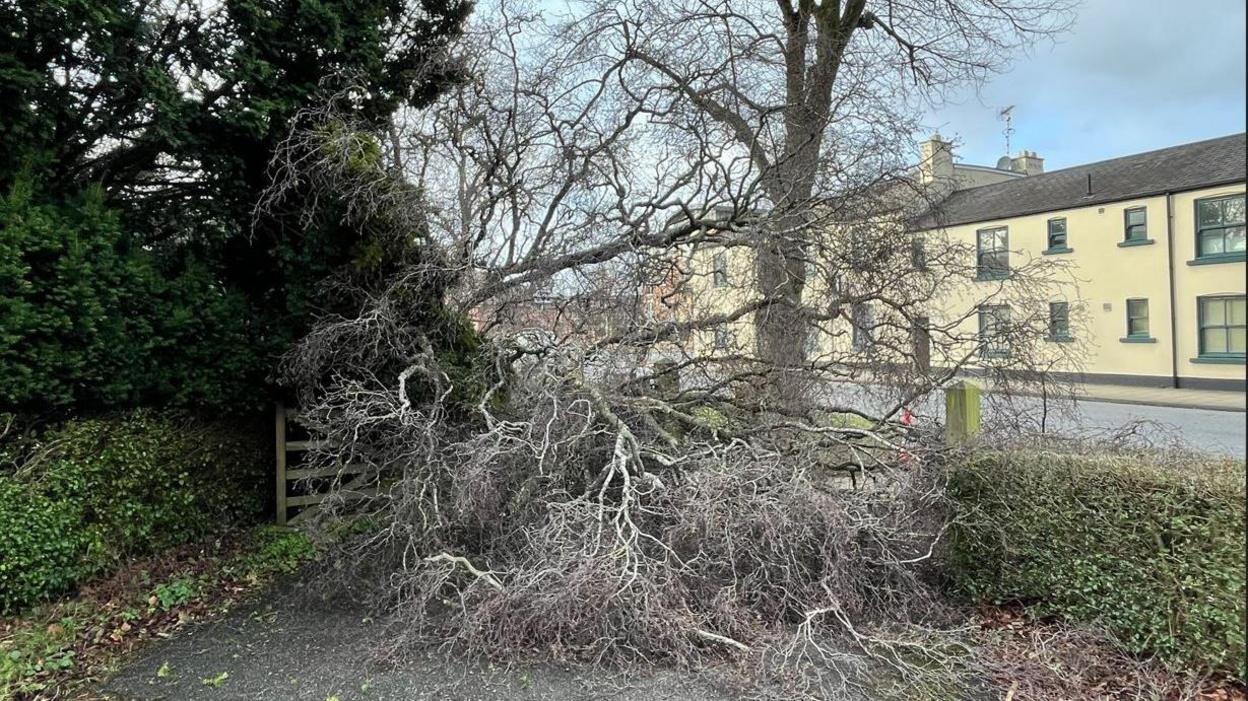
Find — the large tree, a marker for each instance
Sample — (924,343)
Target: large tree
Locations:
(817,94)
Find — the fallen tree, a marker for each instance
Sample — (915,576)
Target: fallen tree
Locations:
(575,473)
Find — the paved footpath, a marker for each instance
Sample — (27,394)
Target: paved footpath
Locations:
(284,650)
(1205,421)
(1167,397)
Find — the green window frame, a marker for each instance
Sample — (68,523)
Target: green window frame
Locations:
(1059,321)
(1137,318)
(1221,327)
(994,331)
(810,345)
(1057,235)
(1220,228)
(1135,224)
(918,253)
(992,253)
(719,270)
(862,318)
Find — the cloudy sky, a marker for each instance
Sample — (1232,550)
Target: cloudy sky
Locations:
(1132,76)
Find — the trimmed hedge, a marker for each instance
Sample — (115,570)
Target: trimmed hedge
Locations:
(83,496)
(1150,550)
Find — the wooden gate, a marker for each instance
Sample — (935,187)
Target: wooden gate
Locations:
(300,490)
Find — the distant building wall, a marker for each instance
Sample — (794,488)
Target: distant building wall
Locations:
(1104,274)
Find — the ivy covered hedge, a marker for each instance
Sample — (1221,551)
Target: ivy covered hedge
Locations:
(1148,547)
(77,499)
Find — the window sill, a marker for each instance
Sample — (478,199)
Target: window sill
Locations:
(1219,360)
(1217,258)
(991,277)
(1137,339)
(1135,242)
(1056,251)
(1060,339)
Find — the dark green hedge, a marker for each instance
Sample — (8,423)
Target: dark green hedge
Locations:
(90,318)
(1149,547)
(79,498)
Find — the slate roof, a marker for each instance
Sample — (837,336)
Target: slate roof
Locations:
(1187,167)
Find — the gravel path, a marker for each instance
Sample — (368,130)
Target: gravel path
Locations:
(287,651)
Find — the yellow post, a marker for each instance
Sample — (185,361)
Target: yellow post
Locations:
(962,411)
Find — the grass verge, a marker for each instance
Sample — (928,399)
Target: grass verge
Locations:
(53,650)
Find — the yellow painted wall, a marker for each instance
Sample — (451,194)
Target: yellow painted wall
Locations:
(1098,276)
(1104,275)
(707,299)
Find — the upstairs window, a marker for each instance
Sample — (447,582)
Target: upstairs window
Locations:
(1059,321)
(1057,235)
(811,270)
(836,289)
(723,338)
(992,253)
(994,331)
(1136,223)
(1220,227)
(1222,327)
(719,270)
(918,253)
(1137,319)
(864,249)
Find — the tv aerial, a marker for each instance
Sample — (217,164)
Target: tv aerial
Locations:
(1007,115)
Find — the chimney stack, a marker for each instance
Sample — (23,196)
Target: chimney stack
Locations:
(935,161)
(1027,163)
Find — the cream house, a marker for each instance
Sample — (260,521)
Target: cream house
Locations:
(1153,245)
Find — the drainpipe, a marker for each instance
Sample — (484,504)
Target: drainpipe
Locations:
(1174,335)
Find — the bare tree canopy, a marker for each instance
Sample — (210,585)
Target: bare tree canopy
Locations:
(685,235)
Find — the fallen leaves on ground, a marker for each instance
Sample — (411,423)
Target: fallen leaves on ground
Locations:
(1043,660)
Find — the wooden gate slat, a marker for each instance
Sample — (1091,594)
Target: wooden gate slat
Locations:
(335,471)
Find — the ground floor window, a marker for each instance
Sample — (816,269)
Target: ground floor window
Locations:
(1059,321)
(1222,327)
(994,330)
(864,322)
(810,347)
(1137,318)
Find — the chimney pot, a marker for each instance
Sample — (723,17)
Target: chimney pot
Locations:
(1027,163)
(935,160)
